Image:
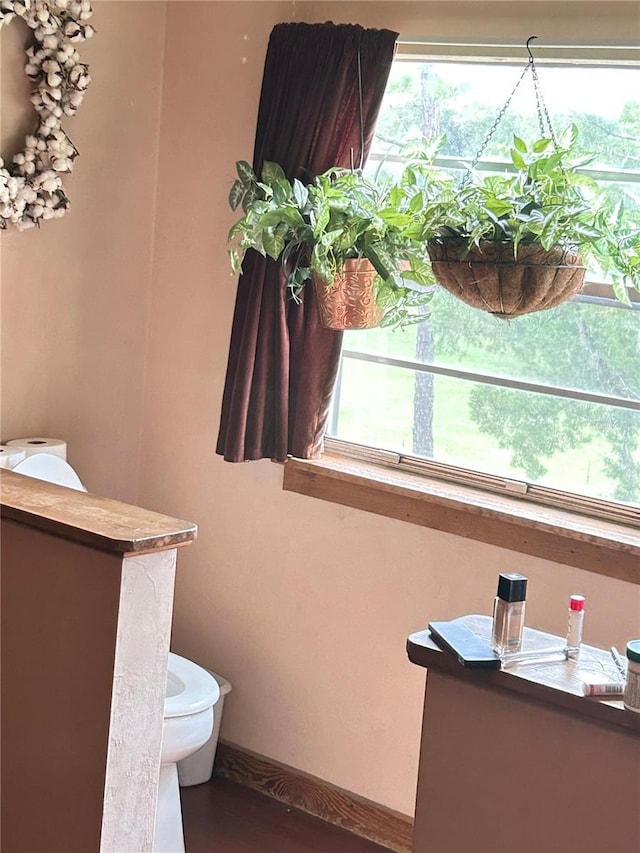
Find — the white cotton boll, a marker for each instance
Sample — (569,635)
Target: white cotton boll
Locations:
(31,70)
(50,66)
(48,213)
(18,159)
(50,123)
(55,93)
(71,29)
(50,42)
(89,31)
(42,15)
(43,97)
(29,168)
(41,145)
(76,98)
(61,164)
(57,111)
(54,80)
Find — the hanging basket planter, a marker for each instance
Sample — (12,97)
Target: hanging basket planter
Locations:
(349,302)
(491,278)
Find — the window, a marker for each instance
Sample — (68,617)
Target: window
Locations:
(547,405)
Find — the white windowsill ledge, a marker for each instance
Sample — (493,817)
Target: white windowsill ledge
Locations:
(563,537)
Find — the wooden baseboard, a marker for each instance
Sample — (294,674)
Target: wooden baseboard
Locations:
(314,796)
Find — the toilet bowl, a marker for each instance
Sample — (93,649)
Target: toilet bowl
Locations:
(191,692)
(188,724)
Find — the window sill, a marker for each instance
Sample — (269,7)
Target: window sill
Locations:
(563,537)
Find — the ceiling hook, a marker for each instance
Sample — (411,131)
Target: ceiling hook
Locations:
(531,38)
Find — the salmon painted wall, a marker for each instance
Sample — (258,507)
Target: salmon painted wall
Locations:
(303,605)
(116,323)
(75,292)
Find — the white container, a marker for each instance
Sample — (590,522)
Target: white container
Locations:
(198,768)
(632,686)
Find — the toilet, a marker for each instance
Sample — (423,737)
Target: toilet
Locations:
(191,692)
(188,725)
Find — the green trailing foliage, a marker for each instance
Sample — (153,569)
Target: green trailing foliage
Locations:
(313,229)
(546,200)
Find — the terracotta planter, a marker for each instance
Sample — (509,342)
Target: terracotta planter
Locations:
(490,278)
(349,302)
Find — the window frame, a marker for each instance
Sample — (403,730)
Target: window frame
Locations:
(595,292)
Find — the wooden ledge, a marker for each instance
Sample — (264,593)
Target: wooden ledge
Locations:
(98,522)
(551,684)
(563,537)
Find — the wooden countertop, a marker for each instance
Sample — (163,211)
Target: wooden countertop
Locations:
(98,522)
(557,684)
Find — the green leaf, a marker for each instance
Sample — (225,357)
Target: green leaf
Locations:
(273,243)
(417,202)
(271,172)
(322,220)
(541,145)
(281,191)
(387,297)
(520,144)
(249,198)
(300,193)
(569,137)
(235,194)
(245,172)
(518,160)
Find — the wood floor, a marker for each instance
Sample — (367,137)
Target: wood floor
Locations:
(225,817)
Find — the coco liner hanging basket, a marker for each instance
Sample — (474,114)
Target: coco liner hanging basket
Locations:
(349,302)
(490,277)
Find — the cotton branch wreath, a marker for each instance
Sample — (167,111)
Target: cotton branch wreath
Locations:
(31,184)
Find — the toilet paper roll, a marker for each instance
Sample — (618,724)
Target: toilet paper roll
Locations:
(10,456)
(38,444)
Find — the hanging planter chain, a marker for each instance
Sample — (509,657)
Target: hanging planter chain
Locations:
(544,120)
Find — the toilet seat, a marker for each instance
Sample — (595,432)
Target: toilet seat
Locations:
(52,469)
(190,689)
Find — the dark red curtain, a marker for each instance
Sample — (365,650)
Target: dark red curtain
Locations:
(282,362)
